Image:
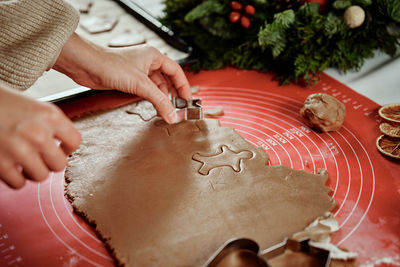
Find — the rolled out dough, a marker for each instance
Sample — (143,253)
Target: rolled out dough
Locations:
(139,182)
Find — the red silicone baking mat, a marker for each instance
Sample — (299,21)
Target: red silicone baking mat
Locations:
(38,227)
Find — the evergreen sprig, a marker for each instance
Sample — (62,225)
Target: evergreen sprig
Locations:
(295,44)
(273,35)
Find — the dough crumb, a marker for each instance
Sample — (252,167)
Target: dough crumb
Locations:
(194,89)
(213,112)
(319,232)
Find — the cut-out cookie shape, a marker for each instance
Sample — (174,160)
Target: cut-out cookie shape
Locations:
(98,24)
(83,6)
(143,109)
(127,38)
(226,157)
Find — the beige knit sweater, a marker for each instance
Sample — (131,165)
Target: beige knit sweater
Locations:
(32,33)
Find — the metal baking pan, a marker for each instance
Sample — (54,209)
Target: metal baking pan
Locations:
(150,22)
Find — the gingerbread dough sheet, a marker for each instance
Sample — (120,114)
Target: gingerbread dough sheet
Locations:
(170,195)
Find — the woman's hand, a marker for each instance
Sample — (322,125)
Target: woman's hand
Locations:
(29,136)
(140,70)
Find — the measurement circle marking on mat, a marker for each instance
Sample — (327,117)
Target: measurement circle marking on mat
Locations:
(60,230)
(264,119)
(351,187)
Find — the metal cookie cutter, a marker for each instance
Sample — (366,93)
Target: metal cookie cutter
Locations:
(237,252)
(245,252)
(303,245)
(188,109)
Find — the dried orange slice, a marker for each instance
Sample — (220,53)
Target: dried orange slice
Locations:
(390,113)
(388,146)
(390,130)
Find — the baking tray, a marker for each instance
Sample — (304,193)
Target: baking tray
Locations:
(153,24)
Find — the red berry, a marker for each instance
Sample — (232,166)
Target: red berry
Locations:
(245,21)
(249,10)
(235,5)
(322,3)
(234,16)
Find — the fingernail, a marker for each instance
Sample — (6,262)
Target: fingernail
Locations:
(172,117)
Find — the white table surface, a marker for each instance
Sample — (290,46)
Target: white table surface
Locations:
(379,79)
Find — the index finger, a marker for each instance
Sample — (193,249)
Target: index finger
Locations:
(177,76)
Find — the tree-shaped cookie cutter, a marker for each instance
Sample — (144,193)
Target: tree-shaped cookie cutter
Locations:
(188,109)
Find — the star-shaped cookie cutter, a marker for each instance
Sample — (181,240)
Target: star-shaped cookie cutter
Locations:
(188,109)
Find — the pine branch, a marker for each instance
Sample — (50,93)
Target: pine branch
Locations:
(273,35)
(205,9)
(390,8)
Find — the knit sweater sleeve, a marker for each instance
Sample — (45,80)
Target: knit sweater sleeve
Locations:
(32,33)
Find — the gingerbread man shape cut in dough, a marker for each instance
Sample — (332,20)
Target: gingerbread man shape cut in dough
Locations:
(226,157)
(144,110)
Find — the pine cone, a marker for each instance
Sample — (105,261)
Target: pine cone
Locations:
(282,5)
